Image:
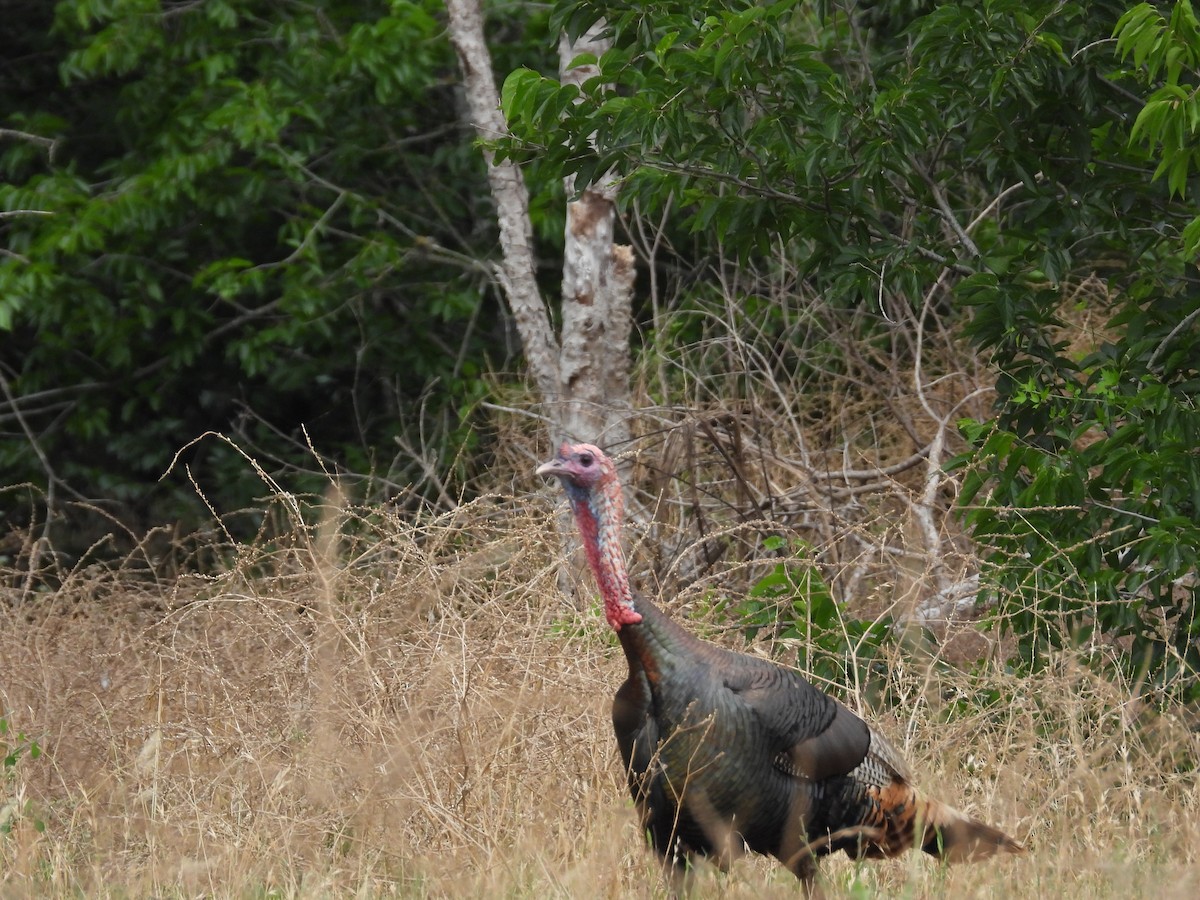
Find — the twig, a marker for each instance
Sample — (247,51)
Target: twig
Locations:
(51,144)
(13,213)
(943,206)
(996,201)
(307,239)
(35,552)
(1186,322)
(512,410)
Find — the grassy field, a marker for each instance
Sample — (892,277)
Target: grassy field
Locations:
(380,704)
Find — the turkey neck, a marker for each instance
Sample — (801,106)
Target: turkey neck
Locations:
(648,635)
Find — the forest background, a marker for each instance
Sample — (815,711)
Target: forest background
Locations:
(908,399)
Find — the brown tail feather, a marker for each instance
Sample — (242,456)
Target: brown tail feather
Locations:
(954,837)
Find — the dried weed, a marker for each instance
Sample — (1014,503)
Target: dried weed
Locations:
(374,705)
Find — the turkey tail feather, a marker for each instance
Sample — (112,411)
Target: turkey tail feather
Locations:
(955,837)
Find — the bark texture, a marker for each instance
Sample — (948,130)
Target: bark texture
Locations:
(597,291)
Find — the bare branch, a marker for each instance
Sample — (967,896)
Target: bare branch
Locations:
(42,544)
(51,144)
(943,205)
(1184,324)
(308,237)
(14,213)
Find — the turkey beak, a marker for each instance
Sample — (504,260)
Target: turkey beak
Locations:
(556,467)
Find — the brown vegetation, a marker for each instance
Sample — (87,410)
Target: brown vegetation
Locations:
(411,708)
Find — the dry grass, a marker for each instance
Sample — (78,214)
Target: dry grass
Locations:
(376,702)
(382,706)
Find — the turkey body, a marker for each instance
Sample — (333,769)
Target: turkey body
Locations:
(725,751)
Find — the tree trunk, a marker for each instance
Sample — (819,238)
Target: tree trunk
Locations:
(584,378)
(597,290)
(516,271)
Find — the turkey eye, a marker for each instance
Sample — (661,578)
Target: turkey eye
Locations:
(586,460)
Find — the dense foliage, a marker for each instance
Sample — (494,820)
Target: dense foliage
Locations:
(969,158)
(240,216)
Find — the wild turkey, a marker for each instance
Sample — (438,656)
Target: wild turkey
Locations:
(724,750)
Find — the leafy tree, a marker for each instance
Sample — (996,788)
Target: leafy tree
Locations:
(257,217)
(970,160)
